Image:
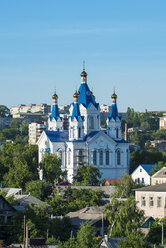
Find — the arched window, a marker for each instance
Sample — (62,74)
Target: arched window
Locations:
(101,157)
(68,157)
(127,156)
(107,159)
(117,133)
(60,155)
(118,157)
(79,132)
(80,156)
(91,122)
(94,157)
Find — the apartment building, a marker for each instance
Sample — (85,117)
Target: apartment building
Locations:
(43,109)
(35,130)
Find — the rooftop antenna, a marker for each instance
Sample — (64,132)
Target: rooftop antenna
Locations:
(114,89)
(55,88)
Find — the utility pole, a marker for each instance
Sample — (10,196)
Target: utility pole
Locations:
(24,230)
(26,235)
(102,234)
(162,235)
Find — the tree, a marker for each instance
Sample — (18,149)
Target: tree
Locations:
(39,189)
(18,164)
(51,165)
(18,175)
(4,111)
(85,236)
(87,175)
(124,217)
(136,240)
(145,157)
(154,235)
(124,189)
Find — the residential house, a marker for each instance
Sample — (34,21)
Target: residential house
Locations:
(95,214)
(28,200)
(159,177)
(110,242)
(108,182)
(152,200)
(6,210)
(141,174)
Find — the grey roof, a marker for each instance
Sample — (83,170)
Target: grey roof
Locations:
(108,190)
(161,173)
(111,242)
(27,200)
(154,188)
(92,214)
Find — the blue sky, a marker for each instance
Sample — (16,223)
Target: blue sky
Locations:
(44,42)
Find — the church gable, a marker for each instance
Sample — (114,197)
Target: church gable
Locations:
(102,139)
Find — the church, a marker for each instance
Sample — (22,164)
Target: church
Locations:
(85,142)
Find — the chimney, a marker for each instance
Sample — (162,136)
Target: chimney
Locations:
(106,237)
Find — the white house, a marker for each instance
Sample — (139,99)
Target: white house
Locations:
(141,174)
(84,142)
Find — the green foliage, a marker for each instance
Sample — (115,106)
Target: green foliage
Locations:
(51,240)
(154,235)
(4,111)
(124,189)
(135,240)
(75,199)
(17,132)
(87,175)
(124,217)
(39,189)
(60,228)
(85,236)
(141,120)
(70,243)
(59,205)
(18,164)
(51,165)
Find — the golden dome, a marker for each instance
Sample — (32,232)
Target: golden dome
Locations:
(76,94)
(55,96)
(114,96)
(84,74)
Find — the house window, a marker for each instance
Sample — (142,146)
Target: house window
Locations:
(159,201)
(79,132)
(94,157)
(101,157)
(143,201)
(117,134)
(143,180)
(140,170)
(107,158)
(118,157)
(91,122)
(151,201)
(138,180)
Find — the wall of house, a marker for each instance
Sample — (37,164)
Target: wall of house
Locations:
(155,211)
(141,176)
(157,180)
